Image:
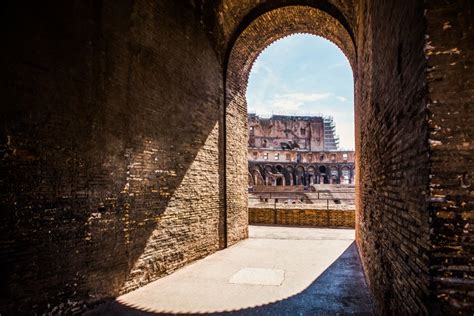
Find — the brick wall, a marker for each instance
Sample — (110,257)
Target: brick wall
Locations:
(302,217)
(109,159)
(449,52)
(393,155)
(413,117)
(236,140)
(114,148)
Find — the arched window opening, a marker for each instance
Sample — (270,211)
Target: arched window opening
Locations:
(284,133)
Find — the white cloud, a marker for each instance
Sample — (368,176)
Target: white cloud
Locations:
(340,98)
(271,79)
(302,76)
(304,97)
(338,65)
(287,103)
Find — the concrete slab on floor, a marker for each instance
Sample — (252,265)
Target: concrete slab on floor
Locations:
(320,268)
(259,276)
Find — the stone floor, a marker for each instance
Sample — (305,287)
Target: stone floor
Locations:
(277,271)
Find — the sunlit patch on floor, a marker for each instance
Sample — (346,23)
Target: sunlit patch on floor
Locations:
(276,264)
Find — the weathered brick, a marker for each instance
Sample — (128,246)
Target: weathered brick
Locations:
(109,172)
(123,142)
(302,217)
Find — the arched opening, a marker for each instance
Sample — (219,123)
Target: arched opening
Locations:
(250,42)
(124,122)
(257,178)
(334,178)
(345,175)
(300,176)
(311,175)
(290,174)
(268,172)
(323,173)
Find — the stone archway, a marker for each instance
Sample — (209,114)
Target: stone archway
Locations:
(123,122)
(291,176)
(260,33)
(311,175)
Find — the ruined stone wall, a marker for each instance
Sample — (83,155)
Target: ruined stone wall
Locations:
(112,142)
(306,133)
(393,155)
(109,159)
(450,58)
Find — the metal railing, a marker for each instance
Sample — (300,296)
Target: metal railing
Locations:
(277,211)
(298,199)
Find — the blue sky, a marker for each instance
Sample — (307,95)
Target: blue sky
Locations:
(304,75)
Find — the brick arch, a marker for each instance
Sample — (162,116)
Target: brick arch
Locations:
(257,178)
(267,166)
(322,168)
(275,25)
(279,165)
(262,31)
(312,169)
(301,168)
(237,16)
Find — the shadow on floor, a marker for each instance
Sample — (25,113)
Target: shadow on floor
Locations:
(340,290)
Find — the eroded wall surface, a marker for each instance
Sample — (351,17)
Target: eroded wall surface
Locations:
(450,59)
(393,155)
(414,103)
(109,149)
(113,146)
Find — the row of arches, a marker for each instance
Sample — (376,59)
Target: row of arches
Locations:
(289,175)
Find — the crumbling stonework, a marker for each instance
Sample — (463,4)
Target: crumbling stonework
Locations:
(95,187)
(296,150)
(308,133)
(284,173)
(449,51)
(391,140)
(124,142)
